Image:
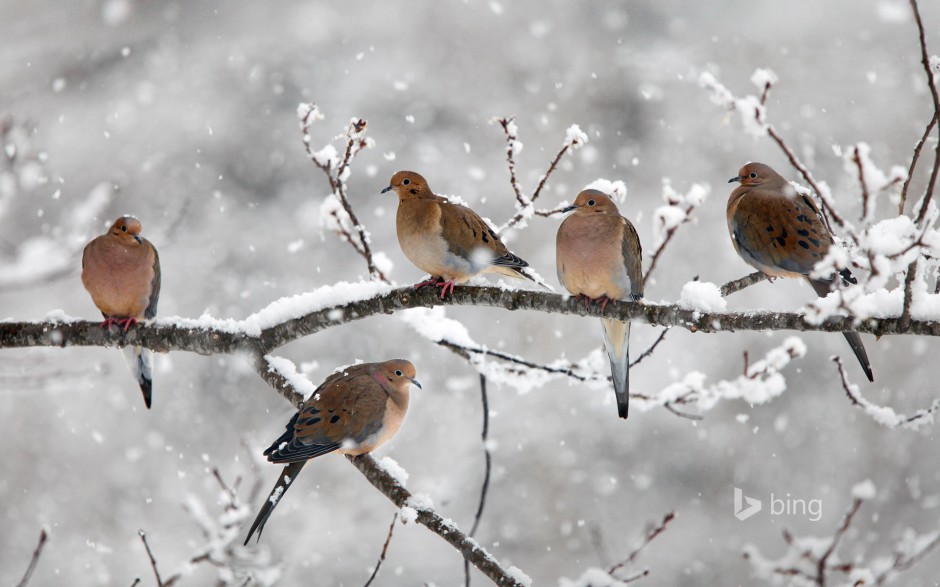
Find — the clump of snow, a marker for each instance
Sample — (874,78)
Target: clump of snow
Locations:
(286,369)
(390,466)
(702,296)
(763,77)
(864,490)
(408,514)
(575,137)
(295,306)
(421,502)
(677,210)
(518,576)
(616,189)
(753,113)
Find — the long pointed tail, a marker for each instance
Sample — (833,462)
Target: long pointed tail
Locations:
(617,343)
(822,289)
(284,480)
(140,362)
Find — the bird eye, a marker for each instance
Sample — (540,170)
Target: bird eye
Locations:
(406,181)
(398,373)
(753,175)
(591,202)
(123,229)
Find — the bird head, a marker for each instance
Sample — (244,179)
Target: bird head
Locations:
(593,202)
(407,184)
(397,374)
(127,230)
(756,174)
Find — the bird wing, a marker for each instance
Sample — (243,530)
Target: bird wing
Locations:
(782,235)
(632,258)
(348,406)
(151,309)
(464,232)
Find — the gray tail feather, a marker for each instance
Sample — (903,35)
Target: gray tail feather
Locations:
(822,289)
(140,363)
(284,481)
(617,344)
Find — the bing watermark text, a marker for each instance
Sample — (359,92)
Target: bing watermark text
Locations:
(745,506)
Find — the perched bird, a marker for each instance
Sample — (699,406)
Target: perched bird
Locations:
(352,412)
(781,233)
(597,254)
(121,271)
(449,241)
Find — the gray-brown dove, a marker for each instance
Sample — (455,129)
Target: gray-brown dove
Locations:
(352,412)
(781,233)
(121,271)
(598,256)
(447,240)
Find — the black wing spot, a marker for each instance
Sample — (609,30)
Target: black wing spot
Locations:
(334,419)
(494,235)
(486,240)
(803,243)
(784,233)
(310,421)
(781,240)
(311,410)
(814,241)
(770,228)
(803,232)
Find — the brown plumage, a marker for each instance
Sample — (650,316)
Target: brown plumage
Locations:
(781,233)
(352,412)
(598,258)
(121,271)
(449,241)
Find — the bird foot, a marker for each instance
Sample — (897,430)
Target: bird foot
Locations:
(108,323)
(430,281)
(603,301)
(444,285)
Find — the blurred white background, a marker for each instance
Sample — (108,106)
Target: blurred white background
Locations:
(189,110)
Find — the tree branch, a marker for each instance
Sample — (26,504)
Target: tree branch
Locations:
(165,335)
(427,517)
(925,60)
(34,560)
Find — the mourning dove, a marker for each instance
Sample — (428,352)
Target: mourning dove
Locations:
(121,271)
(781,233)
(597,254)
(352,412)
(447,240)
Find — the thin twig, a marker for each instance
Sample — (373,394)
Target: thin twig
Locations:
(650,350)
(34,560)
(662,246)
(650,536)
(910,170)
(488,463)
(743,282)
(840,532)
(388,539)
(511,139)
(153,561)
(851,391)
(925,61)
(905,322)
(857,158)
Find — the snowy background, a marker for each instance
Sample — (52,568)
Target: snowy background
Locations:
(188,109)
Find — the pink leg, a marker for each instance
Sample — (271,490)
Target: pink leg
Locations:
(430,281)
(108,323)
(444,285)
(603,300)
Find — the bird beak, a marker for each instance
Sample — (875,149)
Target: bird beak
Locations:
(736,178)
(386,189)
(416,382)
(569,209)
(137,238)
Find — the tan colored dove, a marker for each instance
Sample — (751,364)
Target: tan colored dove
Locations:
(447,240)
(598,256)
(352,412)
(781,233)
(121,271)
